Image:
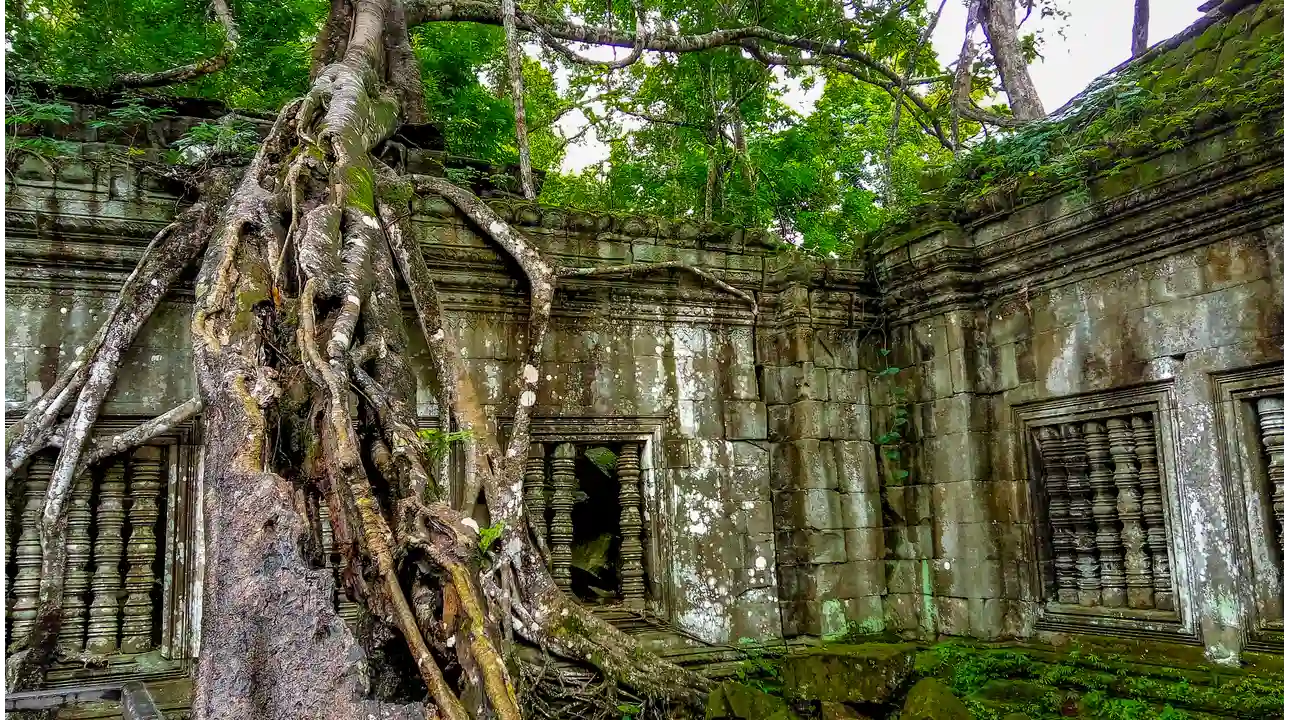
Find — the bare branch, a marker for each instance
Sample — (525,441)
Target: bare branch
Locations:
(904,85)
(963,104)
(567,52)
(184,73)
(1141,21)
(648,267)
(515,69)
(139,434)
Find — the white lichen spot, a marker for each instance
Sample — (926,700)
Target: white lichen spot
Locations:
(527,398)
(497,228)
(452,640)
(468,522)
(760,563)
(80,350)
(438,335)
(62,311)
(530,374)
(370,221)
(752,573)
(153,282)
(156,358)
(353,300)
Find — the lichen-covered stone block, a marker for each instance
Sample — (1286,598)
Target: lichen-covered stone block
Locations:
(803,464)
(745,420)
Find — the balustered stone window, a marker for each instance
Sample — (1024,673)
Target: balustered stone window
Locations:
(133,557)
(1102,513)
(1251,415)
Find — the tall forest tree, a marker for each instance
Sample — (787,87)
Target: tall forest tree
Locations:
(303,253)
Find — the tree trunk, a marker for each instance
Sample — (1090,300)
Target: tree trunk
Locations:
(999,18)
(1141,21)
(297,303)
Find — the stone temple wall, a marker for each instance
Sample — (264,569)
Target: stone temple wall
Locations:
(665,359)
(1095,384)
(1092,383)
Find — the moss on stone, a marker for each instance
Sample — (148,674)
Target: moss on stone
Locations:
(930,699)
(735,701)
(869,673)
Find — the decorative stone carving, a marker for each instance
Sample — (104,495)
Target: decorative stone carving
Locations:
(561,536)
(1153,511)
(535,490)
(1105,520)
(630,525)
(26,583)
(1137,563)
(105,607)
(145,486)
(1102,480)
(1063,533)
(1083,515)
(1271,412)
(76,586)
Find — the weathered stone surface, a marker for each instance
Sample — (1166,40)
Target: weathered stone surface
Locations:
(848,673)
(838,711)
(931,699)
(734,701)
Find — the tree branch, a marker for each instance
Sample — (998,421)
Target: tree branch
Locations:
(515,69)
(140,434)
(1141,22)
(648,267)
(184,73)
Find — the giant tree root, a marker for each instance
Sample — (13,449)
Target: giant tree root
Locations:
(297,314)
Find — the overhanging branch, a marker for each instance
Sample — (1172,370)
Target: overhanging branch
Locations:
(184,73)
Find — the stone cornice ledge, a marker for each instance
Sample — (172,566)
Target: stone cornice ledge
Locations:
(1211,193)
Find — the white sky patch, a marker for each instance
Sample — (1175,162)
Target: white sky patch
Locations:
(1097,39)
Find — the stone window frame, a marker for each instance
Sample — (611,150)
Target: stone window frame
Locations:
(648,431)
(1240,452)
(1158,399)
(182,548)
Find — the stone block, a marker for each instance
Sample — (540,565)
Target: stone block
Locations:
(798,547)
(676,453)
(800,617)
(960,502)
(849,386)
(750,483)
(847,673)
(759,517)
(861,510)
(957,457)
(857,466)
(756,615)
(967,578)
(930,699)
(865,543)
(966,541)
(902,612)
(742,382)
(745,420)
(806,420)
(852,579)
(735,701)
(777,423)
(905,576)
(750,453)
(985,618)
(814,509)
(952,615)
(912,542)
(846,421)
(908,505)
(759,554)
(803,464)
(941,376)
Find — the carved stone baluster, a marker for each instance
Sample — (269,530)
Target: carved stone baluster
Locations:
(629,523)
(105,607)
(26,583)
(1272,424)
(562,514)
(1102,480)
(141,549)
(76,586)
(1153,512)
(1083,515)
(328,540)
(1059,519)
(535,490)
(1137,561)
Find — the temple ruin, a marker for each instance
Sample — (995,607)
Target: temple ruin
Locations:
(1091,384)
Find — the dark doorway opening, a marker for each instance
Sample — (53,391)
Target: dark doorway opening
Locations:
(597,539)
